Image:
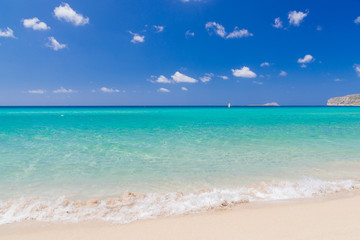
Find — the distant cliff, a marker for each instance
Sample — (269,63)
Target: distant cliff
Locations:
(348,100)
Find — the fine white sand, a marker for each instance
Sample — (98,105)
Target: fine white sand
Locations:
(337,219)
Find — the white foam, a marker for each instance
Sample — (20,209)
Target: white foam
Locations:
(132,207)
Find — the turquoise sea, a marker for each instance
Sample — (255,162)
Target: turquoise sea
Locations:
(121,164)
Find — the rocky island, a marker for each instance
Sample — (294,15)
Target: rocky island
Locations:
(348,100)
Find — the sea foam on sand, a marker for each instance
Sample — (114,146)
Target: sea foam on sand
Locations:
(131,207)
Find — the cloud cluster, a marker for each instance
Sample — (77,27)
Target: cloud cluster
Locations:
(244,72)
(182,78)
(178,77)
(37,91)
(357,69)
(186,1)
(64,90)
(213,27)
(35,24)
(66,13)
(137,38)
(283,73)
(223,77)
(189,33)
(60,90)
(162,79)
(218,29)
(296,17)
(305,60)
(62,12)
(158,29)
(239,33)
(54,44)
(8,33)
(357,20)
(207,77)
(109,90)
(258,83)
(278,23)
(165,90)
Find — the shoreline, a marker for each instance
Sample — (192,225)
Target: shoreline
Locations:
(335,216)
(132,207)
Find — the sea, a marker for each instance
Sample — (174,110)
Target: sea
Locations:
(123,164)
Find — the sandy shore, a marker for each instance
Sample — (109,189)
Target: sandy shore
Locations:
(328,219)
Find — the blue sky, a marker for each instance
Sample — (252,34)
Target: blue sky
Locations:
(174,52)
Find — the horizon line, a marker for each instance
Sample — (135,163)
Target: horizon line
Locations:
(144,106)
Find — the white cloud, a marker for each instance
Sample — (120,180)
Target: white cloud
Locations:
(159,29)
(224,77)
(35,24)
(186,1)
(258,83)
(295,18)
(274,104)
(109,90)
(37,91)
(357,20)
(64,90)
(218,29)
(308,58)
(177,78)
(338,80)
(213,27)
(207,77)
(278,23)
(137,38)
(55,45)
(357,69)
(189,33)
(244,72)
(184,88)
(181,78)
(305,60)
(163,90)
(265,64)
(66,13)
(319,28)
(7,33)
(283,73)
(161,79)
(239,33)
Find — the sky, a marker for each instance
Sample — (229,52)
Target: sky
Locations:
(178,52)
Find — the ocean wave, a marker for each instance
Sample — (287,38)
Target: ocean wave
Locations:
(131,206)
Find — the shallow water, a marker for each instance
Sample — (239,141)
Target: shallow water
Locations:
(52,155)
